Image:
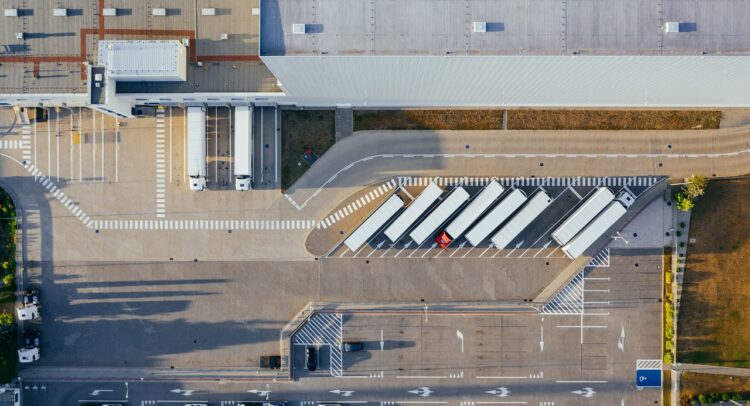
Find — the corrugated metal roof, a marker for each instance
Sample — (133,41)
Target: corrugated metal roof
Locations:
(534,81)
(514,27)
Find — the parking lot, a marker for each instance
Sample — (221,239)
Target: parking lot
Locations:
(534,242)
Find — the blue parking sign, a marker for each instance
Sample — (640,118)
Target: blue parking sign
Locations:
(648,378)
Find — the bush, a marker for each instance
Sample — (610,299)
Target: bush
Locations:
(683,202)
(682,244)
(678,233)
(6,319)
(8,279)
(682,224)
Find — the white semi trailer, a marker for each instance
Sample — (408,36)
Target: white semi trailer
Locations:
(507,206)
(583,215)
(196,146)
(416,208)
(440,215)
(597,227)
(531,210)
(474,210)
(243,147)
(373,223)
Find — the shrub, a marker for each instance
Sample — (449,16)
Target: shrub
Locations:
(6,319)
(682,224)
(678,233)
(683,202)
(8,279)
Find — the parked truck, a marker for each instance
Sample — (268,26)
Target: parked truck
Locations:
(583,215)
(474,210)
(440,215)
(597,227)
(507,206)
(196,145)
(243,147)
(412,213)
(374,223)
(531,210)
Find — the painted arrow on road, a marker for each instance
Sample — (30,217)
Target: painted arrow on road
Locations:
(261,393)
(500,392)
(183,392)
(423,391)
(585,392)
(345,393)
(96,392)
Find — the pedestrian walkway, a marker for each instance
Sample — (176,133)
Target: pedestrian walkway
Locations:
(204,224)
(161,203)
(26,143)
(357,204)
(640,181)
(12,144)
(58,194)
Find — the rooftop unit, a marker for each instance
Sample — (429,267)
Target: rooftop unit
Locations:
(479,26)
(299,28)
(144,60)
(109,12)
(11,12)
(208,11)
(60,12)
(159,12)
(672,27)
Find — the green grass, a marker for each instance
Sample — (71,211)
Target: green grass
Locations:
(8,340)
(302,129)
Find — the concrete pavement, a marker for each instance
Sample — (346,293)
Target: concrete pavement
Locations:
(367,157)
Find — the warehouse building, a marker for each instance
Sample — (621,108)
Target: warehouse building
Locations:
(383,53)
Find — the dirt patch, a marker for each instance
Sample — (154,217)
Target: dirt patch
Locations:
(302,130)
(713,324)
(428,120)
(693,385)
(612,120)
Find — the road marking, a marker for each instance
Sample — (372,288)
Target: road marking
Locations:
(580,381)
(421,377)
(524,182)
(502,377)
(160,165)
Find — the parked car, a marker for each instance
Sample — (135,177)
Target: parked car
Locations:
(31,337)
(311,358)
(270,362)
(31,297)
(353,346)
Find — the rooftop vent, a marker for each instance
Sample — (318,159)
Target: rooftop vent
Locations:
(19,35)
(672,27)
(110,12)
(256,11)
(223,36)
(160,12)
(298,29)
(208,12)
(479,26)
(11,12)
(60,12)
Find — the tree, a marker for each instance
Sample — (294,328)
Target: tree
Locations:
(8,279)
(6,319)
(683,202)
(695,186)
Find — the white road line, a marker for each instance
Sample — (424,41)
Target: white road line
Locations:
(502,377)
(80,144)
(170,143)
(216,144)
(102,146)
(421,377)
(580,381)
